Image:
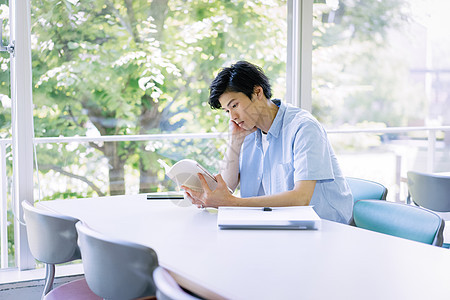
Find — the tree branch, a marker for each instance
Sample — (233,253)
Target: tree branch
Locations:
(72,116)
(95,146)
(118,15)
(82,178)
(132,20)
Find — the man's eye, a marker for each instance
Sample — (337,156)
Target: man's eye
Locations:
(234,106)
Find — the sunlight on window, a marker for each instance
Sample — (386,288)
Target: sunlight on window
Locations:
(134,68)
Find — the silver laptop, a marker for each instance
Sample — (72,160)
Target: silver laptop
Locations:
(292,217)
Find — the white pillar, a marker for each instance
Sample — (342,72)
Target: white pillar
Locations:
(299,53)
(22,126)
(3,211)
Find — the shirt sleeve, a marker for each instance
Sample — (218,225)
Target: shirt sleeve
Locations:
(312,155)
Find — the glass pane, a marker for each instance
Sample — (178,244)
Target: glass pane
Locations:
(98,180)
(138,67)
(5,84)
(383,64)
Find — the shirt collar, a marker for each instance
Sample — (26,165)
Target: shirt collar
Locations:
(277,123)
(275,128)
(258,138)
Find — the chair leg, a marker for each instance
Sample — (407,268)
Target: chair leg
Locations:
(49,277)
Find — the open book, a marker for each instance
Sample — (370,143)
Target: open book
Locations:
(184,172)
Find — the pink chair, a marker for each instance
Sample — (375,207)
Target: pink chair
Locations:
(73,290)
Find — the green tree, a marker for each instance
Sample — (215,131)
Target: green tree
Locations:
(356,76)
(136,67)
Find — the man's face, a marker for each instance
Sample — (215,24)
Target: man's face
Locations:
(241,109)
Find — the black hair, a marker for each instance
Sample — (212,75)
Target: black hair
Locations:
(240,77)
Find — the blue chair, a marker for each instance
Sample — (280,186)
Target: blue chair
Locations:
(363,189)
(115,269)
(430,191)
(401,220)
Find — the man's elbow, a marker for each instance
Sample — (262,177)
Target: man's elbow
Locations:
(300,199)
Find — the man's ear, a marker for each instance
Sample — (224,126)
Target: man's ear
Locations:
(258,91)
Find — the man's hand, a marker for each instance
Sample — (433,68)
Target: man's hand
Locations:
(237,133)
(221,196)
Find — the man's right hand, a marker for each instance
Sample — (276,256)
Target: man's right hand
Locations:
(238,133)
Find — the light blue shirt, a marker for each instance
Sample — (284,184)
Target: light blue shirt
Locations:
(298,150)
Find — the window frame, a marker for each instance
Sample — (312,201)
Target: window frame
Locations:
(298,93)
(22,126)
(299,53)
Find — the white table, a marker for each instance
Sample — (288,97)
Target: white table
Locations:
(337,262)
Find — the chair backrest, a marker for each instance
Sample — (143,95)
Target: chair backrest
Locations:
(52,238)
(401,220)
(168,288)
(363,189)
(431,191)
(116,269)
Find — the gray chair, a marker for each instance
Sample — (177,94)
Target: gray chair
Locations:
(52,239)
(116,269)
(168,288)
(401,220)
(430,191)
(363,189)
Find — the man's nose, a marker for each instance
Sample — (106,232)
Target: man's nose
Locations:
(234,115)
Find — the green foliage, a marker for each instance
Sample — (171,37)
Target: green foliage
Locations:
(356,75)
(5,91)
(68,194)
(113,67)
(109,67)
(143,67)
(356,21)
(10,230)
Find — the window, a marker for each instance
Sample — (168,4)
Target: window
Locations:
(117,85)
(143,67)
(379,64)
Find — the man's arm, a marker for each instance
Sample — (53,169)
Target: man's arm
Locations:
(230,167)
(230,163)
(299,196)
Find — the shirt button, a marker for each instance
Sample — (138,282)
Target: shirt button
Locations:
(259,178)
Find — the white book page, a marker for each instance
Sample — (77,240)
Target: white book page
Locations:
(185,173)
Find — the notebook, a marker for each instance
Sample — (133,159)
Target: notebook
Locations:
(292,217)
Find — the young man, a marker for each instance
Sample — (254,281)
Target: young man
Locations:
(279,154)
